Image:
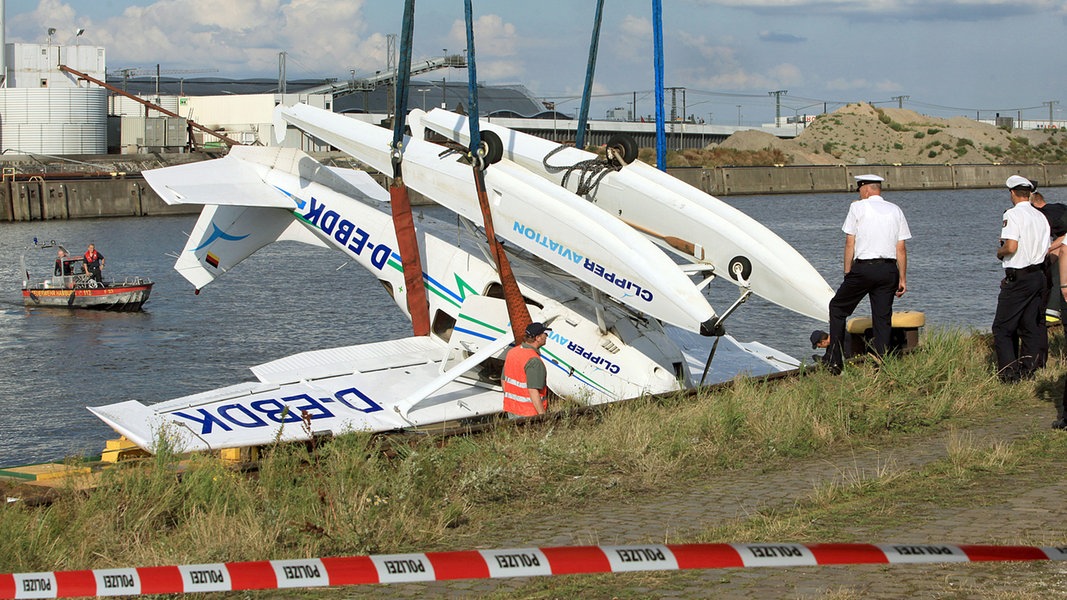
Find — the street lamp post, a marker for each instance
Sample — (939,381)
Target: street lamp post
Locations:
(554,107)
(796,117)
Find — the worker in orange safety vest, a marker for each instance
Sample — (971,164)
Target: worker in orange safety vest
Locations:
(525,375)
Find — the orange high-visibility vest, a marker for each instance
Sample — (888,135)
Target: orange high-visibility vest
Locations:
(516,392)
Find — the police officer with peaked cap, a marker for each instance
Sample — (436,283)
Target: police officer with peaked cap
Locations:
(876,265)
(1024,241)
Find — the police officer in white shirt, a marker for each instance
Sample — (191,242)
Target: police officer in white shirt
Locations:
(876,265)
(1024,241)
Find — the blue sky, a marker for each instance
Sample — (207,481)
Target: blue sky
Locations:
(949,57)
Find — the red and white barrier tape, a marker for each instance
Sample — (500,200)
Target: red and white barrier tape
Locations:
(484,564)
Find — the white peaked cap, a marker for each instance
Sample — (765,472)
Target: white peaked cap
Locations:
(874,178)
(1016,181)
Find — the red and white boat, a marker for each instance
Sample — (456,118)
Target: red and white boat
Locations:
(73,288)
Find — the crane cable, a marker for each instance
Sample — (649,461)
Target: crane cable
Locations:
(407,243)
(518,312)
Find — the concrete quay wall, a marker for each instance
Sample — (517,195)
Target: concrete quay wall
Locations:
(734,181)
(39,200)
(44,199)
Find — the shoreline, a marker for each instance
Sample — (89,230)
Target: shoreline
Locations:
(109,192)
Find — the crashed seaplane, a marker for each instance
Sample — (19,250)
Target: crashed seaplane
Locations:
(626,321)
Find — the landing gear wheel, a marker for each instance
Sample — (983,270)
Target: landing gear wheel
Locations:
(739,268)
(622,148)
(491,149)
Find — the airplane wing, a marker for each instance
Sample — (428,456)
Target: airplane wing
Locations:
(353,388)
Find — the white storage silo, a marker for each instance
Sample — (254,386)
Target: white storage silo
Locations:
(53,120)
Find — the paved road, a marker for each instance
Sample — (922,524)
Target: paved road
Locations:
(1031,515)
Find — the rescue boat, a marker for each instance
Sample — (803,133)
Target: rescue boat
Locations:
(71,287)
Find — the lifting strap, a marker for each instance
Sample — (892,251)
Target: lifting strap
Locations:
(403,223)
(657,43)
(518,312)
(594,43)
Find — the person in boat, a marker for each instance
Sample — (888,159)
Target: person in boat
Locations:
(525,377)
(94,262)
(876,265)
(62,265)
(1017,324)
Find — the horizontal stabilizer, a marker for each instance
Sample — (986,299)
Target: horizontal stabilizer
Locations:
(256,176)
(224,181)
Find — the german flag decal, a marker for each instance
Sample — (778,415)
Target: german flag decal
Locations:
(212,260)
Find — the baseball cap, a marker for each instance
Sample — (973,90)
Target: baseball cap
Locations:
(816,337)
(535,329)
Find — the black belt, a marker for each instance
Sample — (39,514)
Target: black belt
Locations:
(872,261)
(1030,269)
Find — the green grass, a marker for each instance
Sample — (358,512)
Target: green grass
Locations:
(363,494)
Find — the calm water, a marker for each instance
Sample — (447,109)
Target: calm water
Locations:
(291,297)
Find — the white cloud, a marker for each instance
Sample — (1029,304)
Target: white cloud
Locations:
(496,46)
(961,10)
(492,36)
(638,28)
(237,38)
(719,68)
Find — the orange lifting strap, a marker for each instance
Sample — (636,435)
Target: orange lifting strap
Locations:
(408,245)
(518,312)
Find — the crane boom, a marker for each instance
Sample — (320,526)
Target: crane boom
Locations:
(156,107)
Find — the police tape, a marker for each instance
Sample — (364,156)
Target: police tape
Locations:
(486,564)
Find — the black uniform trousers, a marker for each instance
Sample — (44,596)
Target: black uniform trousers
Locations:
(1019,310)
(878,279)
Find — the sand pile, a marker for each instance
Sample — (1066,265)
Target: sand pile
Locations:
(861,133)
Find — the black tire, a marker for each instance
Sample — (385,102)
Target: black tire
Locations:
(624,146)
(492,147)
(739,263)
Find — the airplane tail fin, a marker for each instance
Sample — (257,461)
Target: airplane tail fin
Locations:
(226,235)
(249,203)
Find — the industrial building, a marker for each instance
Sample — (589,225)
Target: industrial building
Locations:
(60,99)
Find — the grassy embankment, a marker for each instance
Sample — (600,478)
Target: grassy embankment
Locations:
(361,494)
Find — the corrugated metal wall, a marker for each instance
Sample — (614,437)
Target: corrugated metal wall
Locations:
(53,121)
